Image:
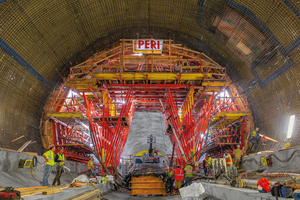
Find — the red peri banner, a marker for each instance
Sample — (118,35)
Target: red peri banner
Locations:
(148,46)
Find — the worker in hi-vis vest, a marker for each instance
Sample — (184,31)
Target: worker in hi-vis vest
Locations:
(188,176)
(91,167)
(179,176)
(255,138)
(228,159)
(209,165)
(238,154)
(59,162)
(205,165)
(49,157)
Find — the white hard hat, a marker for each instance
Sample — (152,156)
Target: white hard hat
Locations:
(238,146)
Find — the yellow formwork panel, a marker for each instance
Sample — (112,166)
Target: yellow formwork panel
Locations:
(151,76)
(65,115)
(215,83)
(230,116)
(209,90)
(82,86)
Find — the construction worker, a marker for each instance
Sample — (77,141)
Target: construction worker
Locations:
(49,157)
(228,159)
(255,138)
(155,152)
(205,164)
(91,167)
(171,175)
(59,162)
(188,176)
(209,164)
(149,171)
(238,154)
(179,176)
(169,178)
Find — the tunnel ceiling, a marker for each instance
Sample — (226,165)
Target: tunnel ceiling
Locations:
(257,41)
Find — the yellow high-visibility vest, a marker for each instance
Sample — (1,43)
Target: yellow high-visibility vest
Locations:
(90,164)
(238,153)
(188,171)
(61,158)
(50,157)
(209,161)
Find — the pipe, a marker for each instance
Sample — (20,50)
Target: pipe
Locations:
(254,182)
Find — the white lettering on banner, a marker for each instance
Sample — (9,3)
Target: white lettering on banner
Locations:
(148,46)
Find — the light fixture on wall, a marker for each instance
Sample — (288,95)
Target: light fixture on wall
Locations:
(291,125)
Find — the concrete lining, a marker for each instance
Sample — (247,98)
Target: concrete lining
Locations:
(143,125)
(16,177)
(225,192)
(277,166)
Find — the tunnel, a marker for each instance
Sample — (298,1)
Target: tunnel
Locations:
(138,83)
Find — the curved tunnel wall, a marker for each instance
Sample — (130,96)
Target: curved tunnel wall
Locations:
(39,40)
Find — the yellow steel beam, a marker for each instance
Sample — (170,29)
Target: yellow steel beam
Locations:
(151,76)
(65,115)
(215,83)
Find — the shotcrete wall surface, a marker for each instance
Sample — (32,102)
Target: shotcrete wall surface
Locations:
(143,125)
(16,177)
(226,192)
(288,163)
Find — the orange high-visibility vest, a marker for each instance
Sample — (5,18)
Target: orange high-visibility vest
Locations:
(206,162)
(229,160)
(179,174)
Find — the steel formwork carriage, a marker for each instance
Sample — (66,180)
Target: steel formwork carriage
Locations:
(94,109)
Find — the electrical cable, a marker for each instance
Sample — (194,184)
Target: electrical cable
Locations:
(34,163)
(288,159)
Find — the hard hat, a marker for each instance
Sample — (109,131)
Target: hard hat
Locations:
(51,146)
(208,155)
(167,167)
(287,145)
(238,146)
(256,128)
(227,151)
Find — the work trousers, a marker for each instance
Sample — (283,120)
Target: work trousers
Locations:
(188,180)
(237,162)
(205,171)
(209,169)
(59,171)
(48,169)
(91,172)
(177,184)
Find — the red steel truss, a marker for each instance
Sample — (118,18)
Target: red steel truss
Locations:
(95,108)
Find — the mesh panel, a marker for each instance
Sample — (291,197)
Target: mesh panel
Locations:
(250,38)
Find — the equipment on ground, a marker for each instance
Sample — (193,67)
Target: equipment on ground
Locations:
(153,156)
(9,193)
(296,195)
(27,163)
(287,191)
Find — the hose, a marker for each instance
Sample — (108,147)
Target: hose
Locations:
(288,159)
(34,163)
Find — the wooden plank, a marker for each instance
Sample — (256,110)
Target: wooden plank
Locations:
(52,191)
(37,191)
(30,188)
(18,138)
